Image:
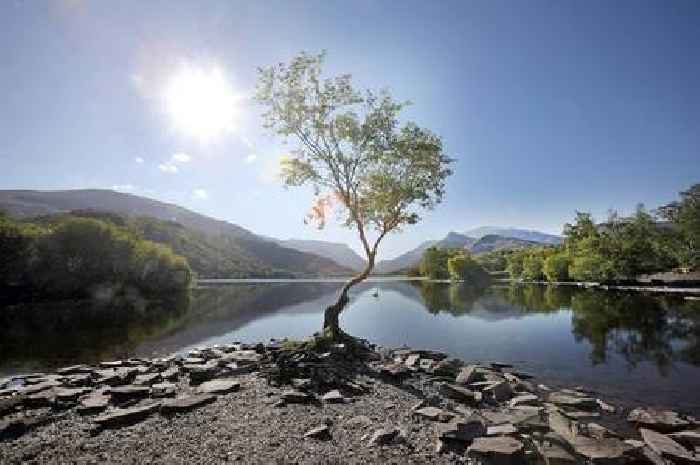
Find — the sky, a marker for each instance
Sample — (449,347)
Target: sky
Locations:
(548,107)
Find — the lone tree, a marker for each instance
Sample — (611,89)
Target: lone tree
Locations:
(354,152)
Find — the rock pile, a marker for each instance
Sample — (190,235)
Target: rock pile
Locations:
(479,413)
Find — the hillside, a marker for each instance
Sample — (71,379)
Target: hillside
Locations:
(213,247)
(515,233)
(339,253)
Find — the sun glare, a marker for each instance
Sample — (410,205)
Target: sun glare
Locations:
(200,102)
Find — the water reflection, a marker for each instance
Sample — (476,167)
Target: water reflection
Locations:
(637,341)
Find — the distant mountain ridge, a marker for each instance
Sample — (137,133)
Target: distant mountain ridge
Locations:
(516,233)
(217,248)
(485,242)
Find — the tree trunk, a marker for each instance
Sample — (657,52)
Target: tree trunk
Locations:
(331,325)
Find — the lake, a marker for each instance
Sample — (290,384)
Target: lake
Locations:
(631,347)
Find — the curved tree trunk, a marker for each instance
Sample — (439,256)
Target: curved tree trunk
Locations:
(331,325)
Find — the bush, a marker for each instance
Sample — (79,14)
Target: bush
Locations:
(592,268)
(463,266)
(556,267)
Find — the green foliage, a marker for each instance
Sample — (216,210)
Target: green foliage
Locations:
(496,260)
(17,251)
(74,257)
(352,149)
(515,264)
(591,268)
(556,267)
(684,240)
(462,266)
(433,264)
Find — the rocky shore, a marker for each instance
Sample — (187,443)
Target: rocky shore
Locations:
(342,403)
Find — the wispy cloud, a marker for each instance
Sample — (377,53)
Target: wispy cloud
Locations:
(139,160)
(124,187)
(181,157)
(168,167)
(200,194)
(251,158)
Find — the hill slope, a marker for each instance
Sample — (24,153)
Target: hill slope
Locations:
(339,253)
(214,248)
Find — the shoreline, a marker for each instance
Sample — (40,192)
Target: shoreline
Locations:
(268,403)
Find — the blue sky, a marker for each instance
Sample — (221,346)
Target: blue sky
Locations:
(548,106)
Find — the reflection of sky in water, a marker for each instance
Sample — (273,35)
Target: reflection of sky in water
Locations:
(629,347)
(492,329)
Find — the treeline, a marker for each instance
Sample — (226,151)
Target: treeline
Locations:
(86,255)
(619,249)
(454,264)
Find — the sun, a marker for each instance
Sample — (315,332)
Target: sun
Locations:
(200,102)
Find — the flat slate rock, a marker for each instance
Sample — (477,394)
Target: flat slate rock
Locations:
(434,413)
(603,451)
(126,416)
(689,438)
(666,447)
(185,404)
(505,429)
(95,402)
(125,393)
(333,397)
(659,420)
(458,393)
(383,437)
(291,396)
(461,429)
(321,432)
(572,400)
(164,389)
(500,450)
(219,386)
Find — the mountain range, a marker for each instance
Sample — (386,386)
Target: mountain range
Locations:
(217,248)
(477,241)
(214,248)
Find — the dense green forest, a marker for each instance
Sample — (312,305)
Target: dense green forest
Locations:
(620,248)
(94,255)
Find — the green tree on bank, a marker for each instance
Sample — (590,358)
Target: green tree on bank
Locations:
(86,257)
(620,248)
(454,264)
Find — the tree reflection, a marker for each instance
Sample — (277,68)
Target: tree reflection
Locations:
(640,328)
(455,299)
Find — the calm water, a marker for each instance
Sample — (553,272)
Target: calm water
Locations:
(629,346)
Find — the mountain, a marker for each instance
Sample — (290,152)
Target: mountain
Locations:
(516,233)
(339,253)
(215,248)
(411,258)
(494,242)
(453,240)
